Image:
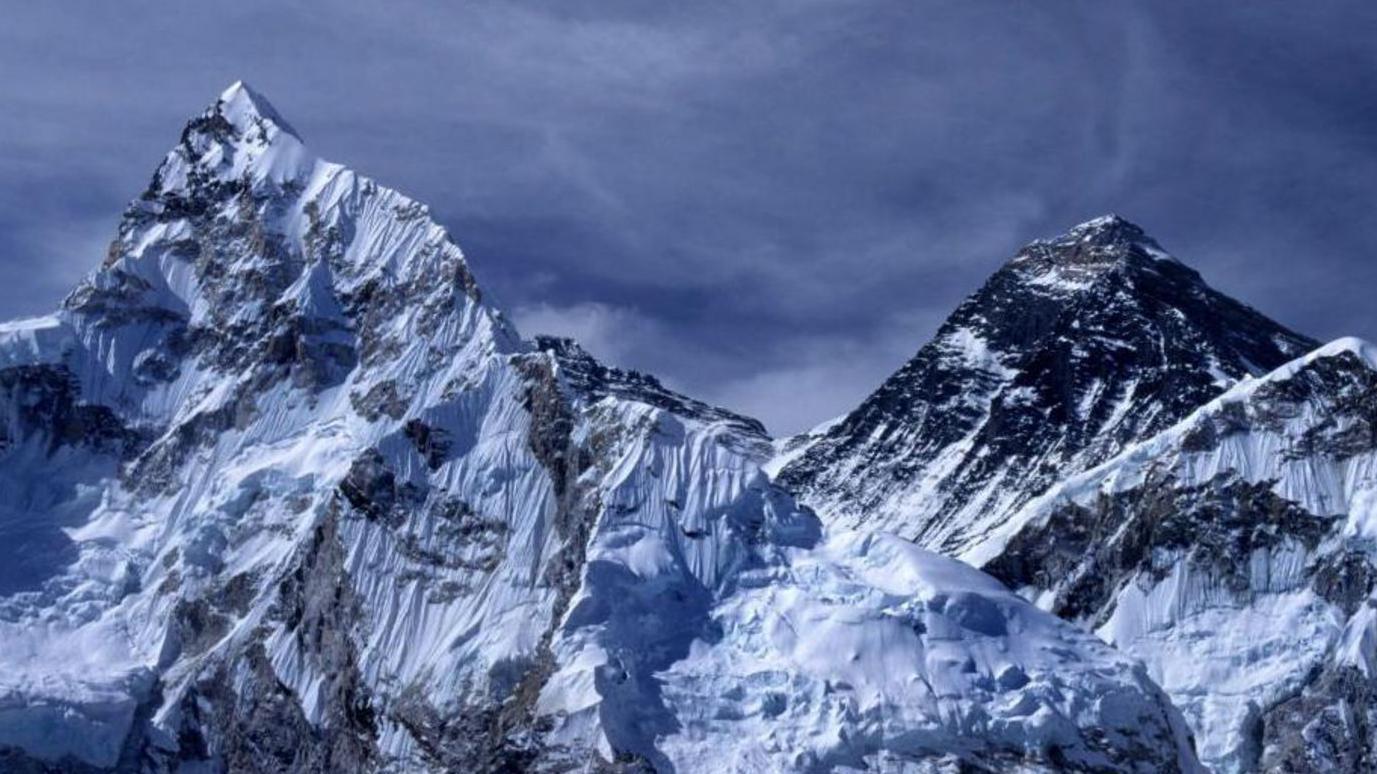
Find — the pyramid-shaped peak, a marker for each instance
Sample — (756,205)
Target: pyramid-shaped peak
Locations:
(239,137)
(1108,221)
(243,106)
(1094,247)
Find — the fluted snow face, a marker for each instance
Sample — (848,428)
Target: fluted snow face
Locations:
(283,493)
(1233,554)
(182,431)
(245,248)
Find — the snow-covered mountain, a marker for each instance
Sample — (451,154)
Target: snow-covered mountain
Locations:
(283,492)
(1236,554)
(1077,347)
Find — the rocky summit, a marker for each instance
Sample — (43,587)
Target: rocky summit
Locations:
(1074,349)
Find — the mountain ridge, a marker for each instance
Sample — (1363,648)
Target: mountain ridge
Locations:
(291,495)
(1233,553)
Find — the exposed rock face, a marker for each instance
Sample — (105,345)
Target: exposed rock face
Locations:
(44,401)
(1234,554)
(302,501)
(1076,348)
(1330,726)
(596,381)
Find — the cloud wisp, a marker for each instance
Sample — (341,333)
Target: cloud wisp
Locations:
(766,203)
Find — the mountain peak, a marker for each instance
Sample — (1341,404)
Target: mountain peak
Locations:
(278,263)
(1109,228)
(239,138)
(1107,234)
(1075,260)
(243,106)
(1075,348)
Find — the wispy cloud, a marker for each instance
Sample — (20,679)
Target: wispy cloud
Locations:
(749,196)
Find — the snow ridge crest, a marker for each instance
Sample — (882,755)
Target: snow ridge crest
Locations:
(242,105)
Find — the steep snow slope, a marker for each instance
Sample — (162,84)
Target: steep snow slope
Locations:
(281,492)
(1077,347)
(1235,554)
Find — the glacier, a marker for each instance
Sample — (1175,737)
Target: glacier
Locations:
(283,491)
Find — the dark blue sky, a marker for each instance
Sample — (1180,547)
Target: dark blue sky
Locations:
(769,204)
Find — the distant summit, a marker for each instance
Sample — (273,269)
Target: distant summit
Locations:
(1079,345)
(1105,231)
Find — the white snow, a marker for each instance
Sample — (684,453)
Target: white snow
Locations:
(711,625)
(868,651)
